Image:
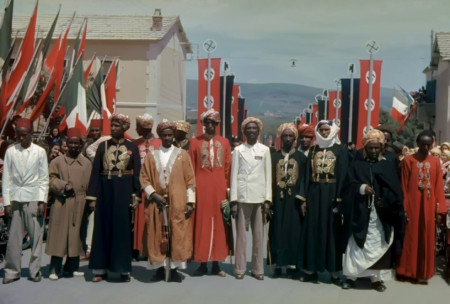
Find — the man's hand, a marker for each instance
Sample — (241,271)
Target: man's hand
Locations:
(303,209)
(8,211)
(134,202)
(369,190)
(68,190)
(41,209)
(189,210)
(158,199)
(91,205)
(267,210)
(233,209)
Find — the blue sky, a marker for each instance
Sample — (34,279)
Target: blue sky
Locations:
(259,37)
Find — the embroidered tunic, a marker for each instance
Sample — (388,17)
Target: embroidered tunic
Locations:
(288,193)
(211,160)
(423,189)
(114,179)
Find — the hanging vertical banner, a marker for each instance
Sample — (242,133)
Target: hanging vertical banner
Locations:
(214,76)
(315,115)
(308,117)
(335,107)
(346,120)
(226,116)
(302,119)
(234,111)
(322,109)
(241,113)
(364,103)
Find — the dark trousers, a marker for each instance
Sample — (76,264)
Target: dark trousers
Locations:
(72,264)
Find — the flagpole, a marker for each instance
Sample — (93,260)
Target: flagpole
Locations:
(350,118)
(209,46)
(225,64)
(372,48)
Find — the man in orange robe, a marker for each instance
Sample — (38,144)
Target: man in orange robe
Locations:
(423,189)
(211,159)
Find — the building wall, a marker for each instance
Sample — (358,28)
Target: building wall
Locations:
(441,125)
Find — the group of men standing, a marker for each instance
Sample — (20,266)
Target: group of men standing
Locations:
(329,210)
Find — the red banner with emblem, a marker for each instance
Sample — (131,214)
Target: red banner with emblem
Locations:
(314,115)
(364,96)
(234,110)
(214,75)
(302,119)
(335,107)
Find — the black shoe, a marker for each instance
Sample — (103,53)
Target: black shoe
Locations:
(125,277)
(336,281)
(7,281)
(217,271)
(277,273)
(294,273)
(305,277)
(379,286)
(348,284)
(201,270)
(259,277)
(175,276)
(159,275)
(37,278)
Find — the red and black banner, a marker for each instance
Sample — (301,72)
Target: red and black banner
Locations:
(335,107)
(226,116)
(234,111)
(322,109)
(345,110)
(315,115)
(203,75)
(241,116)
(364,96)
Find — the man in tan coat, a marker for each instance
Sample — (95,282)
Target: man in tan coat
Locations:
(167,177)
(69,179)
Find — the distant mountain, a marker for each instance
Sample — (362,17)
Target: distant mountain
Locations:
(275,103)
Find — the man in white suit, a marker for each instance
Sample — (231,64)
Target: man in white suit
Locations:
(251,196)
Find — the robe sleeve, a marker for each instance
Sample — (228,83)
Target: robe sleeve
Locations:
(439,186)
(136,170)
(94,181)
(57,185)
(189,177)
(227,162)
(302,161)
(43,177)
(341,171)
(234,175)
(406,172)
(145,176)
(268,176)
(6,178)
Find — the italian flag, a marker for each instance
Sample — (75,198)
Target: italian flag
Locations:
(400,106)
(73,99)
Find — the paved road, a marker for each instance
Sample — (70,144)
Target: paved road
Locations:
(208,289)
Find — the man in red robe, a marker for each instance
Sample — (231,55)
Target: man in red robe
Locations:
(423,190)
(211,159)
(146,142)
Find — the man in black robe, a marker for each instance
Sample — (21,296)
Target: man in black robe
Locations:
(288,169)
(113,187)
(375,215)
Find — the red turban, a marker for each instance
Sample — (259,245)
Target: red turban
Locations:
(306,131)
(24,123)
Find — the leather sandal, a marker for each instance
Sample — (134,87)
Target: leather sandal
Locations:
(99,278)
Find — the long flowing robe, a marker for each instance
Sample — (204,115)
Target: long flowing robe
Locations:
(421,197)
(375,223)
(211,160)
(144,147)
(178,182)
(327,168)
(114,179)
(288,193)
(67,212)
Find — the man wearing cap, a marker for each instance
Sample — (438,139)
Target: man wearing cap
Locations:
(182,129)
(146,143)
(211,159)
(288,200)
(94,133)
(68,184)
(25,190)
(113,188)
(250,196)
(167,178)
(374,199)
(305,138)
